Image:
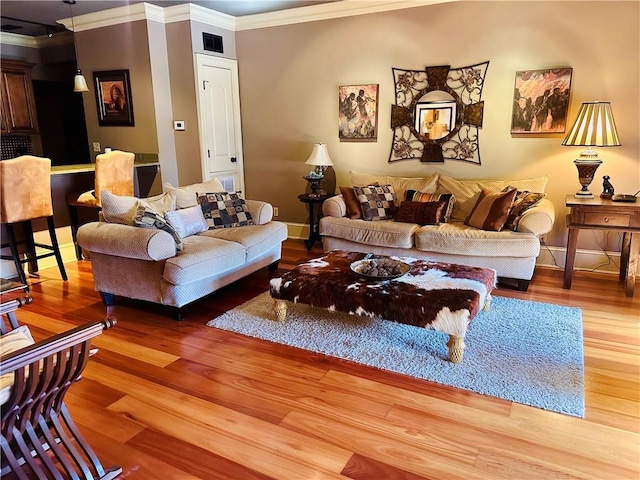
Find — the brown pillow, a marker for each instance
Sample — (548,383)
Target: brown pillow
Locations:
(422,213)
(377,202)
(491,210)
(524,201)
(351,201)
(448,198)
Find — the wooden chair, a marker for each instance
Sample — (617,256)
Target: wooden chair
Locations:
(115,173)
(25,183)
(39,438)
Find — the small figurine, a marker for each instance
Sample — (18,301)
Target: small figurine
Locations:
(607,188)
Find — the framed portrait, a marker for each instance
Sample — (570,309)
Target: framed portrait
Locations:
(113,98)
(358,113)
(541,101)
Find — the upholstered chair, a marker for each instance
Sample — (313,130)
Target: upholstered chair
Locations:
(25,186)
(115,173)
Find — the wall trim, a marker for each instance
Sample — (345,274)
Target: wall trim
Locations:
(191,12)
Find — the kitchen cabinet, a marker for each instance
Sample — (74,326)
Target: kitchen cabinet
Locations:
(18,104)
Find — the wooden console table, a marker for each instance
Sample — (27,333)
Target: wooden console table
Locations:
(600,214)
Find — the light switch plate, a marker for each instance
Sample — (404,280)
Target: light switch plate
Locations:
(178,125)
(96,146)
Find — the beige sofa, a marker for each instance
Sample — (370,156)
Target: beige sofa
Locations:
(145,264)
(511,253)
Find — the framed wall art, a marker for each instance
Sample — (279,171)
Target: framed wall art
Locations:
(113,98)
(541,101)
(358,113)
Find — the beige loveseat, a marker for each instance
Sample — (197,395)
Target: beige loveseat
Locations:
(146,264)
(511,253)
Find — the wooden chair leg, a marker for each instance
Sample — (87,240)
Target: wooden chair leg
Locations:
(75,224)
(31,247)
(56,247)
(14,252)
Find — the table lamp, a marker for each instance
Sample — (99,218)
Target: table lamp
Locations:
(594,127)
(320,159)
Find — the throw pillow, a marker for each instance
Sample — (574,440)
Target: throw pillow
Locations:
(491,210)
(351,201)
(187,196)
(10,342)
(448,198)
(376,201)
(422,213)
(225,210)
(188,221)
(524,201)
(400,184)
(147,218)
(122,209)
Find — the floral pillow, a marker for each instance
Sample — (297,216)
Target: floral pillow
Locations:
(147,218)
(524,201)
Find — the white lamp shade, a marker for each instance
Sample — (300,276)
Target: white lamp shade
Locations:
(594,127)
(319,156)
(79,83)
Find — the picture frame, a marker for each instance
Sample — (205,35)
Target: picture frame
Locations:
(541,100)
(113,98)
(358,113)
(435,120)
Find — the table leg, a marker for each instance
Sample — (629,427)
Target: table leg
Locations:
(624,255)
(280,309)
(312,228)
(632,266)
(572,243)
(456,348)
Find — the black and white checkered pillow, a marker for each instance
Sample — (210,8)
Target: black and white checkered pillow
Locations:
(225,210)
(377,201)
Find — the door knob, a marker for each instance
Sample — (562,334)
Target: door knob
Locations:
(234,159)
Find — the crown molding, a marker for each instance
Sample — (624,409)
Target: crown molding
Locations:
(192,12)
(17,40)
(327,11)
(115,16)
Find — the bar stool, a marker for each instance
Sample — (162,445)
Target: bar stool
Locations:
(115,173)
(25,183)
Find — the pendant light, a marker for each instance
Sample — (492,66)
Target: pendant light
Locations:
(79,82)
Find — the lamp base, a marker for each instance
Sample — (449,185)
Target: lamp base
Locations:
(586,171)
(582,194)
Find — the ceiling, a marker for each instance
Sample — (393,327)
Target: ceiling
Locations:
(32,17)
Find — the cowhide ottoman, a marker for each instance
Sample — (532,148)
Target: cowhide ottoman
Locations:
(442,296)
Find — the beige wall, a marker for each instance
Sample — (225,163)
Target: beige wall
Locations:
(119,47)
(289,78)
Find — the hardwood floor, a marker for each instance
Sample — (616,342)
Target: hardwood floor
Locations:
(175,400)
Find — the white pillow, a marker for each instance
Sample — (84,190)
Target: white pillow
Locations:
(122,209)
(187,221)
(10,342)
(187,196)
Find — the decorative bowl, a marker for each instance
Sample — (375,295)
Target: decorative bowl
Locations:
(380,268)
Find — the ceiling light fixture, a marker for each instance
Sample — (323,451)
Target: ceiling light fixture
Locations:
(79,82)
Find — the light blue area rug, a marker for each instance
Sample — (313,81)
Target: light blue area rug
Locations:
(527,352)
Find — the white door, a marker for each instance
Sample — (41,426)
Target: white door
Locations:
(219,118)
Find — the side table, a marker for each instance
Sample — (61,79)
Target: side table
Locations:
(601,214)
(314,220)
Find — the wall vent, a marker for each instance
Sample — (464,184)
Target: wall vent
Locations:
(212,43)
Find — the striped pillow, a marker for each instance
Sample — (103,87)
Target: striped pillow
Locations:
(491,210)
(448,198)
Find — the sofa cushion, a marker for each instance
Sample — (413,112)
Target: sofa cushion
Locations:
(147,218)
(225,210)
(418,196)
(187,196)
(422,213)
(491,210)
(385,233)
(524,201)
(201,258)
(351,201)
(400,184)
(460,239)
(468,191)
(256,239)
(187,221)
(123,209)
(376,201)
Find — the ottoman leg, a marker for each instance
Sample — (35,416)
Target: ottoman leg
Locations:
(487,303)
(280,309)
(456,348)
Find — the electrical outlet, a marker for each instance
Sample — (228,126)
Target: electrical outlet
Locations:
(543,239)
(96,146)
(275,211)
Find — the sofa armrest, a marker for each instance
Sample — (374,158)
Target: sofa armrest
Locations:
(261,212)
(538,219)
(334,207)
(126,241)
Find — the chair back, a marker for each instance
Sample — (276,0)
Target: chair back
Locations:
(114,172)
(25,189)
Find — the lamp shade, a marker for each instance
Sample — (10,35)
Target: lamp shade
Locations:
(594,127)
(80,83)
(319,156)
